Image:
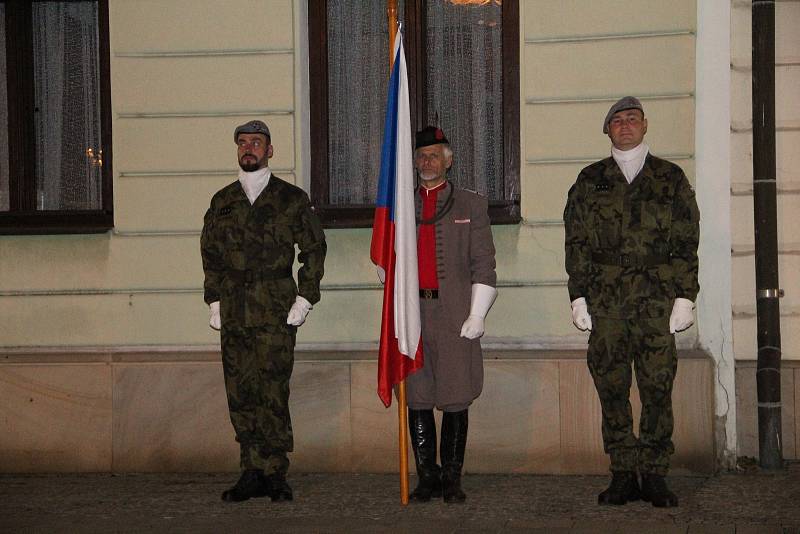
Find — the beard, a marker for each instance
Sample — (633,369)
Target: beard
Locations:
(251,165)
(428,176)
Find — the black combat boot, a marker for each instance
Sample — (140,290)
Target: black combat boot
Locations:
(277,487)
(249,485)
(656,492)
(454,441)
(422,427)
(624,488)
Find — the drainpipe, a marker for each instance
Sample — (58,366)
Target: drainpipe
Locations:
(768,375)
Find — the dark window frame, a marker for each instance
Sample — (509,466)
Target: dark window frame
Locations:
(23,217)
(361,215)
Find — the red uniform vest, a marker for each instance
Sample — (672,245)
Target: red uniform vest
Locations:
(426,243)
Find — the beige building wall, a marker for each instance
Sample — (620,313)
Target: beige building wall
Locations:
(184,74)
(787,118)
(126,308)
(787,115)
(577,59)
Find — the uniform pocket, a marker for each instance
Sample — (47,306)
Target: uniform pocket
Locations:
(277,296)
(656,215)
(605,220)
(277,234)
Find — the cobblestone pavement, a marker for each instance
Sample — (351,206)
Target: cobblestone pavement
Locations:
(750,502)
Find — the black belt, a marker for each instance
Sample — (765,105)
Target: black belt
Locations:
(251,275)
(629,260)
(429,293)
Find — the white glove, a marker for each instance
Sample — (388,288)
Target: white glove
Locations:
(482,299)
(381,274)
(214,321)
(681,317)
(298,312)
(580,314)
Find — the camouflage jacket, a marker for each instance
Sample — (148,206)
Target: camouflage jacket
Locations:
(248,253)
(631,249)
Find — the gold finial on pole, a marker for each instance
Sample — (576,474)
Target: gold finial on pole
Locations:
(391,13)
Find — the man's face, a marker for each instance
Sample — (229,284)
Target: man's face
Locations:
(432,164)
(627,128)
(254,151)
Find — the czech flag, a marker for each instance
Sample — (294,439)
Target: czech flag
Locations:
(394,239)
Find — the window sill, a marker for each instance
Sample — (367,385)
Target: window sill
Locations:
(55,222)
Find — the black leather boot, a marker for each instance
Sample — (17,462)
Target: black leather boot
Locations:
(422,427)
(624,488)
(277,488)
(249,485)
(656,492)
(454,441)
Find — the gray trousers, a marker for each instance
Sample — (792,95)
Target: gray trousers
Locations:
(452,375)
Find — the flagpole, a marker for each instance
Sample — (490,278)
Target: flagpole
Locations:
(402,414)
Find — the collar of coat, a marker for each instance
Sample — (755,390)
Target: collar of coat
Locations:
(612,171)
(444,203)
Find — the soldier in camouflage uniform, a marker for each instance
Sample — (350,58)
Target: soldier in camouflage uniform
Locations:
(632,230)
(248,249)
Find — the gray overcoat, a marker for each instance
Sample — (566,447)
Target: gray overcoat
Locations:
(465,255)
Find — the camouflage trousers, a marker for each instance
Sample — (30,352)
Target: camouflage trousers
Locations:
(257,363)
(613,345)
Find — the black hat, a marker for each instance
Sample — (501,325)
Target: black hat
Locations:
(431,135)
(251,127)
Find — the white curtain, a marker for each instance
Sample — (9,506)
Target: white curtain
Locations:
(4,200)
(464,89)
(358,72)
(67,96)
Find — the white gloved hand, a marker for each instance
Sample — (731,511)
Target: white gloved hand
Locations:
(214,321)
(298,312)
(482,299)
(681,317)
(580,314)
(381,275)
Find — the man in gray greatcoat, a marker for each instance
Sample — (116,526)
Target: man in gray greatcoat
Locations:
(457,287)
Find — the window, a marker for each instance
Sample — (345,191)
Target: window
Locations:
(463,61)
(55,122)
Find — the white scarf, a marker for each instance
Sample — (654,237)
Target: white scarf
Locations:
(254,182)
(631,161)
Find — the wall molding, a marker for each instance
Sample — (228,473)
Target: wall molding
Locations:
(605,99)
(201,114)
(355,286)
(592,159)
(201,172)
(608,37)
(307,352)
(204,53)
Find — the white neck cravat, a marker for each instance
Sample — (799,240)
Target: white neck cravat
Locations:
(631,161)
(254,182)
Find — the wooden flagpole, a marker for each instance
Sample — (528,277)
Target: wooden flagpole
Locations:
(402,414)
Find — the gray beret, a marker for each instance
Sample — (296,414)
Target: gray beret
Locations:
(251,127)
(626,102)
